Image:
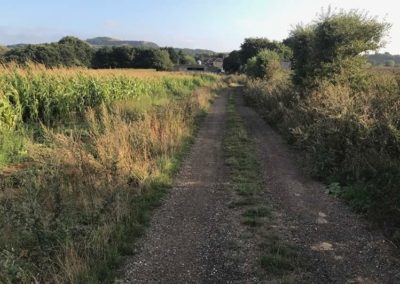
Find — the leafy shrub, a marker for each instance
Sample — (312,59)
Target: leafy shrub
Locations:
(266,65)
(252,46)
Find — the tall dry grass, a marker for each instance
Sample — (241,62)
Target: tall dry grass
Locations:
(72,212)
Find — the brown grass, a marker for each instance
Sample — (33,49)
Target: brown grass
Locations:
(68,217)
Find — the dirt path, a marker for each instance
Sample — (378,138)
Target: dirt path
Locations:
(337,245)
(190,234)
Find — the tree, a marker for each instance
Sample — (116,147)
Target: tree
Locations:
(187,59)
(47,54)
(390,63)
(114,57)
(152,58)
(173,55)
(69,51)
(252,46)
(266,65)
(102,58)
(301,41)
(250,68)
(122,56)
(80,51)
(160,60)
(334,46)
(232,62)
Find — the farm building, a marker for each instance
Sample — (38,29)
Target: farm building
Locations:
(198,68)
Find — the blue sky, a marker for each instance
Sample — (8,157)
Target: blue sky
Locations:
(220,25)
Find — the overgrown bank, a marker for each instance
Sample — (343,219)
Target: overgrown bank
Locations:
(85,188)
(350,139)
(343,115)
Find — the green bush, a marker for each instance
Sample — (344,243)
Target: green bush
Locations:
(265,65)
(252,46)
(390,63)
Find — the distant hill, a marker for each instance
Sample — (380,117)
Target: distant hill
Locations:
(17,45)
(108,41)
(194,52)
(98,42)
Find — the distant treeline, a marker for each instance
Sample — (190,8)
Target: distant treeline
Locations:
(71,51)
(385,59)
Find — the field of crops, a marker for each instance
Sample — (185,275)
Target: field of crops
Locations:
(84,155)
(29,97)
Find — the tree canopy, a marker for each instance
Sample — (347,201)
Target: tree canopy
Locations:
(232,62)
(333,45)
(252,46)
(69,51)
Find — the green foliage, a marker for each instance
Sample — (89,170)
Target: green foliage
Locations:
(12,144)
(173,55)
(187,59)
(265,65)
(251,69)
(81,52)
(153,58)
(114,57)
(129,57)
(348,135)
(381,58)
(3,50)
(390,63)
(232,62)
(331,48)
(301,42)
(252,46)
(179,57)
(244,60)
(69,51)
